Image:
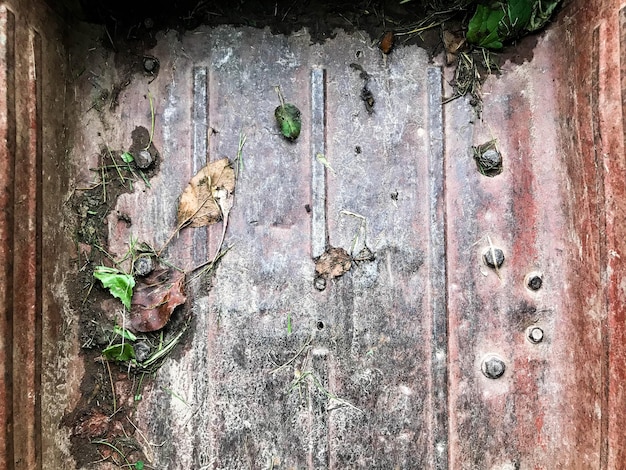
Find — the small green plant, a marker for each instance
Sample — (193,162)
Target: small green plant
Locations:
(121,352)
(119,283)
(288,117)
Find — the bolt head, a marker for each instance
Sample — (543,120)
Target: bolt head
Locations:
(488,256)
(143,266)
(488,159)
(151,65)
(493,367)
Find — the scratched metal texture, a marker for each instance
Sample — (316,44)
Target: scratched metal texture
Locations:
(366,340)
(384,365)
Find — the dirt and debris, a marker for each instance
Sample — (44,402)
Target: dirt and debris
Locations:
(387,42)
(366,95)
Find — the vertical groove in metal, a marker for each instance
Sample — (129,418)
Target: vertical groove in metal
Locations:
(319,234)
(200,126)
(602,259)
(7,201)
(437,246)
(318,403)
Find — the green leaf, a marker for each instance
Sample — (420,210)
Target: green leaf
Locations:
(516,21)
(501,21)
(289,120)
(483,28)
(139,465)
(124,333)
(541,14)
(119,352)
(119,283)
(127,157)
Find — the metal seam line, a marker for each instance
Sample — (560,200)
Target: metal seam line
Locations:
(199,120)
(437,247)
(318,172)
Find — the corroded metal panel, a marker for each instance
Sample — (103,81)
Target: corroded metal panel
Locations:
(357,389)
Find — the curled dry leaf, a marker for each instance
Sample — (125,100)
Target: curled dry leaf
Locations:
(334,262)
(156,296)
(198,206)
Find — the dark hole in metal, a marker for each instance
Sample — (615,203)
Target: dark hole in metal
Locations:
(535,282)
(320,325)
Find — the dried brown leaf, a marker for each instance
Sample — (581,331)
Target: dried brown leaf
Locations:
(334,262)
(197,206)
(155,298)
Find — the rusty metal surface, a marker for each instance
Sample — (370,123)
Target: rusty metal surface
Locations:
(32,175)
(410,344)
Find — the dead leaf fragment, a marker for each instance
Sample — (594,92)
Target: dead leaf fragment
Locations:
(452,43)
(334,262)
(386,43)
(155,298)
(198,206)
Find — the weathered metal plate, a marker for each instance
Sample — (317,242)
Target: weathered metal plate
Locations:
(365,395)
(384,367)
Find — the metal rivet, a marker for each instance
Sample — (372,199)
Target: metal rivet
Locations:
(144,159)
(488,159)
(535,335)
(319,283)
(151,64)
(143,266)
(488,257)
(534,281)
(493,367)
(320,325)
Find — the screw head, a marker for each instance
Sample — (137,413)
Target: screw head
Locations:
(488,256)
(535,335)
(493,367)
